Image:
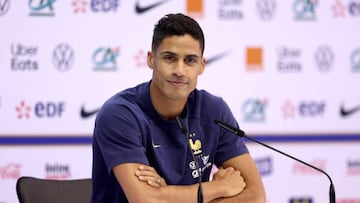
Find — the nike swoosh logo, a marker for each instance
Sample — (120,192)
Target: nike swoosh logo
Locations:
(86,114)
(142,9)
(347,112)
(3,5)
(217,57)
(155,145)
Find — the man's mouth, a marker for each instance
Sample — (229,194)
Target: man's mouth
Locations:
(177,83)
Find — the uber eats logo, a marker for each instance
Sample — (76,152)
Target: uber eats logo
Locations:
(40,109)
(24,57)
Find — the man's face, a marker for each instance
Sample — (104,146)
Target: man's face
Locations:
(176,65)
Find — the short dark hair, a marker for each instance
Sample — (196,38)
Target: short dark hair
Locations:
(177,24)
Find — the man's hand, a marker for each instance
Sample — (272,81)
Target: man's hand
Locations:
(149,175)
(231,180)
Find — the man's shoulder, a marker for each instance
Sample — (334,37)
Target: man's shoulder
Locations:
(206,106)
(125,100)
(128,95)
(203,96)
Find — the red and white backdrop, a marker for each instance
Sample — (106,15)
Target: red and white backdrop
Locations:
(290,71)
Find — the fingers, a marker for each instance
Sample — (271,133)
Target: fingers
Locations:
(222,172)
(155,182)
(162,182)
(231,179)
(147,170)
(149,175)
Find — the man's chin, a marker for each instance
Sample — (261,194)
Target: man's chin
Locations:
(178,97)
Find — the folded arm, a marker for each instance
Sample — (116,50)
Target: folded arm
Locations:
(254,191)
(150,189)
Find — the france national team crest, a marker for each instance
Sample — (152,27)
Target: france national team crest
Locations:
(203,160)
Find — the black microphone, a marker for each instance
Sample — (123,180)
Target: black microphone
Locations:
(184,130)
(241,133)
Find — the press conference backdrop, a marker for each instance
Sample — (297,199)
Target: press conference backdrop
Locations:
(289,70)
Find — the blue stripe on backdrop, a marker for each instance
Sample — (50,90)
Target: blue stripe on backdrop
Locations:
(45,140)
(87,140)
(308,138)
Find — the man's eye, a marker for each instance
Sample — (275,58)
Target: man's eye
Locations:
(169,58)
(191,60)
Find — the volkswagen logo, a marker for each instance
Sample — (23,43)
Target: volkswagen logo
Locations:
(266,9)
(324,58)
(63,57)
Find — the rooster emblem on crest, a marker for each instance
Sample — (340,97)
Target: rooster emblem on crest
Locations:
(196,147)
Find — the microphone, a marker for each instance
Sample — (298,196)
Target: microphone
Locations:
(241,133)
(184,130)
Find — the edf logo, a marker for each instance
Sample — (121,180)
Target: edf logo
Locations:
(49,109)
(312,108)
(104,5)
(303,109)
(40,109)
(354,8)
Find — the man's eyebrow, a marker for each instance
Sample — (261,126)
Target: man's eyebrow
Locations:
(193,55)
(174,54)
(167,52)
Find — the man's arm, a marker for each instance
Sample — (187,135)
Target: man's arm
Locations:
(230,184)
(254,191)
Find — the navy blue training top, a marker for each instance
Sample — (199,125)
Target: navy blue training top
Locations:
(129,130)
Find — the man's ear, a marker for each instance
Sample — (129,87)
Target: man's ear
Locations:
(150,59)
(202,68)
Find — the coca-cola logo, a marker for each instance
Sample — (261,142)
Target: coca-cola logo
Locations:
(10,171)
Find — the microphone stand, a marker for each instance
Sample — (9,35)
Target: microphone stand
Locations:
(184,130)
(241,133)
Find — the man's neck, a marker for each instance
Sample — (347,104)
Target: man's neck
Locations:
(166,108)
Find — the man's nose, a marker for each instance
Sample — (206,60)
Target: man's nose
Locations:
(179,68)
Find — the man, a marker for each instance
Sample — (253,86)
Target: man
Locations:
(140,154)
